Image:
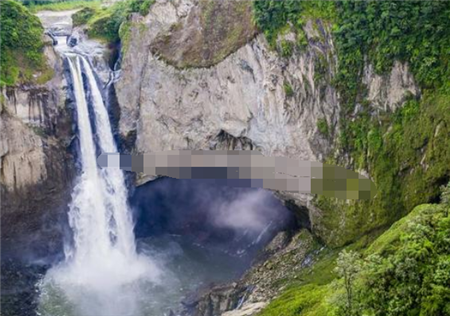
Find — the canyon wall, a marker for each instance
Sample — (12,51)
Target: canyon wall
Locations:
(180,89)
(37,167)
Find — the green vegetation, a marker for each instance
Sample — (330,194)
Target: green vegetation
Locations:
(21,43)
(83,16)
(271,16)
(308,300)
(408,156)
(348,266)
(406,153)
(287,48)
(405,271)
(322,125)
(408,31)
(412,275)
(385,31)
(35,6)
(288,91)
(105,23)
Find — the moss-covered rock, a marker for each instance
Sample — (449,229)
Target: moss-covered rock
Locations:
(111,23)
(407,155)
(212,31)
(83,16)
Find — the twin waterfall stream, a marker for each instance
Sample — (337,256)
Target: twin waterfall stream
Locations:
(102,271)
(188,237)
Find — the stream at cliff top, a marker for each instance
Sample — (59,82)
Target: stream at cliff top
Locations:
(140,253)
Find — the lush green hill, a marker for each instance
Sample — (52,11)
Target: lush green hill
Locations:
(405,271)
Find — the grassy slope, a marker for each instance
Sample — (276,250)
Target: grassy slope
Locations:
(321,292)
(62,6)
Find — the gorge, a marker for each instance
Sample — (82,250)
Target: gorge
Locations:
(360,84)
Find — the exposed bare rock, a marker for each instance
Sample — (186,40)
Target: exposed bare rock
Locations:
(208,33)
(36,166)
(251,99)
(390,91)
(242,97)
(58,22)
(282,259)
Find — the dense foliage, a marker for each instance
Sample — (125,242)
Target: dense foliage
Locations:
(406,271)
(21,44)
(82,16)
(383,31)
(411,31)
(271,16)
(411,276)
(106,22)
(389,147)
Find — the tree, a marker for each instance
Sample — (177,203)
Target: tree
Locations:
(348,266)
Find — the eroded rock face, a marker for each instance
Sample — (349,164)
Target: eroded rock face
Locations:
(282,259)
(239,103)
(252,99)
(389,92)
(36,166)
(206,33)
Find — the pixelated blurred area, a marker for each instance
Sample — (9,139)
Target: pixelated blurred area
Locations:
(242,168)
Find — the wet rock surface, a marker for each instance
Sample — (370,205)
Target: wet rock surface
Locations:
(37,164)
(282,259)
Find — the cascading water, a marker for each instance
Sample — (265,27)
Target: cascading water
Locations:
(102,269)
(105,271)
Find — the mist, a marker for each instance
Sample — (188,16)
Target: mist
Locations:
(206,212)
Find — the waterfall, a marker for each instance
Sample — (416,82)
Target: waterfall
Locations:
(99,214)
(102,270)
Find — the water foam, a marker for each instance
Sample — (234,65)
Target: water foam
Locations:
(102,274)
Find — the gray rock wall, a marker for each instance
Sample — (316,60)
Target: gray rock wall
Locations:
(37,167)
(242,102)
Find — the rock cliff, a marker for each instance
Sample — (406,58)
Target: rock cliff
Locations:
(175,94)
(36,166)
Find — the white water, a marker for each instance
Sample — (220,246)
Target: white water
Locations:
(102,270)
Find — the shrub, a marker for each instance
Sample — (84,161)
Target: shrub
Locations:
(322,125)
(288,90)
(21,44)
(83,16)
(287,48)
(107,21)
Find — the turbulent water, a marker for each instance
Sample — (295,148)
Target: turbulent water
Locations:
(105,271)
(102,272)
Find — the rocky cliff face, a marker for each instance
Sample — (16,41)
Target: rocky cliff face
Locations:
(173,96)
(36,165)
(281,260)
